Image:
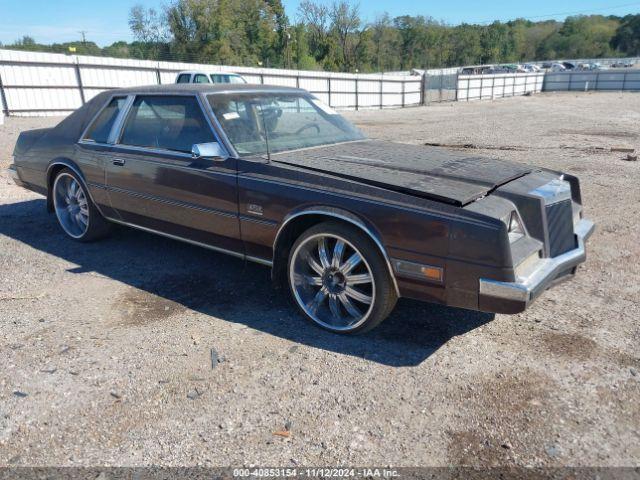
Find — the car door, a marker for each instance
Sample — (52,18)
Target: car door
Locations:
(154,182)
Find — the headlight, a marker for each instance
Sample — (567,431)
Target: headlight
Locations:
(516,227)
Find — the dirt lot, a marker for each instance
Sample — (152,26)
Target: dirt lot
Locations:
(106,347)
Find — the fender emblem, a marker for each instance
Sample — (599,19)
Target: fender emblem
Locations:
(254,209)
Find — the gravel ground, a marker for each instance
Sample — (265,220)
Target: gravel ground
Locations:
(106,348)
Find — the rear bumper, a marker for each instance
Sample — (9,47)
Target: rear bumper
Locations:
(514,297)
(13,173)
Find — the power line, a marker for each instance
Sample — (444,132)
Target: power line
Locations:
(564,14)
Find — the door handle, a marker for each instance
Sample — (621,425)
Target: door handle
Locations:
(119,162)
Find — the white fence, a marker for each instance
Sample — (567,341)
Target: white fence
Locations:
(33,83)
(36,84)
(488,87)
(611,80)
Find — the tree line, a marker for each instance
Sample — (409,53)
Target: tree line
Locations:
(334,37)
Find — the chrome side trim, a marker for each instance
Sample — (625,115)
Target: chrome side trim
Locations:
(168,201)
(345,218)
(261,261)
(163,161)
(524,289)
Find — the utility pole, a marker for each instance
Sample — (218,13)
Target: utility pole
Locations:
(84,36)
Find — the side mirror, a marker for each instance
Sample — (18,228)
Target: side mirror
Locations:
(211,150)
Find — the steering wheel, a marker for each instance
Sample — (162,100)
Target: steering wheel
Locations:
(308,126)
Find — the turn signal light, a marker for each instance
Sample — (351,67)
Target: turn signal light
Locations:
(419,271)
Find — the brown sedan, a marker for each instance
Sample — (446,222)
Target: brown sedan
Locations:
(275,176)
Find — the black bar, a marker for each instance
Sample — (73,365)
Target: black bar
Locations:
(357,100)
(79,79)
(3,98)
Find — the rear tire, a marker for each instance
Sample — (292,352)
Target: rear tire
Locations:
(75,211)
(339,279)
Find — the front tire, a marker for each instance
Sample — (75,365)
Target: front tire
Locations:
(339,279)
(76,213)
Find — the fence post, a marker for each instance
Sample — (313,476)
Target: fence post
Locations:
(570,81)
(262,78)
(79,80)
(423,89)
(4,105)
(624,81)
(403,93)
(158,77)
(381,93)
(298,79)
(357,100)
(329,92)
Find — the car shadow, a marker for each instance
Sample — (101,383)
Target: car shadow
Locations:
(233,290)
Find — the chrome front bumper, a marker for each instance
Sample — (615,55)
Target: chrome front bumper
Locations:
(13,173)
(526,289)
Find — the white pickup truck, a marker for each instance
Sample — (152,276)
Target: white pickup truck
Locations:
(203,77)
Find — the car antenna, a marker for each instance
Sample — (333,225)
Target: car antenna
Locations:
(266,134)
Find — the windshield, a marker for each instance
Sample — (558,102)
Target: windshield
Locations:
(280,121)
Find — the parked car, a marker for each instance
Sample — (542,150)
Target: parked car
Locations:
(569,65)
(531,68)
(477,70)
(202,77)
(622,64)
(558,67)
(349,223)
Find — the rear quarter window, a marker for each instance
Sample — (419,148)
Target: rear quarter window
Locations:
(101,127)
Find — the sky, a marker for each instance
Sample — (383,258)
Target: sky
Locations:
(105,22)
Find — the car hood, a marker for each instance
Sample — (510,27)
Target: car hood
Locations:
(428,172)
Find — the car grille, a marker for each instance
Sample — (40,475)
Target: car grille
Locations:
(560,223)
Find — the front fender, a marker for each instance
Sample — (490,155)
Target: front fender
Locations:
(335,213)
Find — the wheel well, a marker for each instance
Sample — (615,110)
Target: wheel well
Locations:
(51,175)
(292,231)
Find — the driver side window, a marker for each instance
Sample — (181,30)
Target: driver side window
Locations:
(173,123)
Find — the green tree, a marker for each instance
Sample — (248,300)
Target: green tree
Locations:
(149,27)
(627,37)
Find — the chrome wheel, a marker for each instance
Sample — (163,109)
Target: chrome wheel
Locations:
(71,205)
(332,282)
